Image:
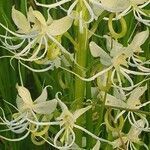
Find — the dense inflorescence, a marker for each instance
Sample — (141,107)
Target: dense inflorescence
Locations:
(114,99)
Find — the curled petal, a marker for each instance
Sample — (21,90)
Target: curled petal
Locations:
(50,67)
(43,96)
(62,105)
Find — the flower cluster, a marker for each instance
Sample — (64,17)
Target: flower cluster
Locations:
(41,38)
(36,117)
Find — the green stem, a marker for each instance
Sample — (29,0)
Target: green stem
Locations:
(81,57)
(89,122)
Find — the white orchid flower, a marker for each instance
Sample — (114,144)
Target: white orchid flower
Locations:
(27,114)
(131,138)
(67,122)
(114,61)
(39,106)
(38,33)
(135,46)
(122,8)
(132,102)
(120,58)
(27,109)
